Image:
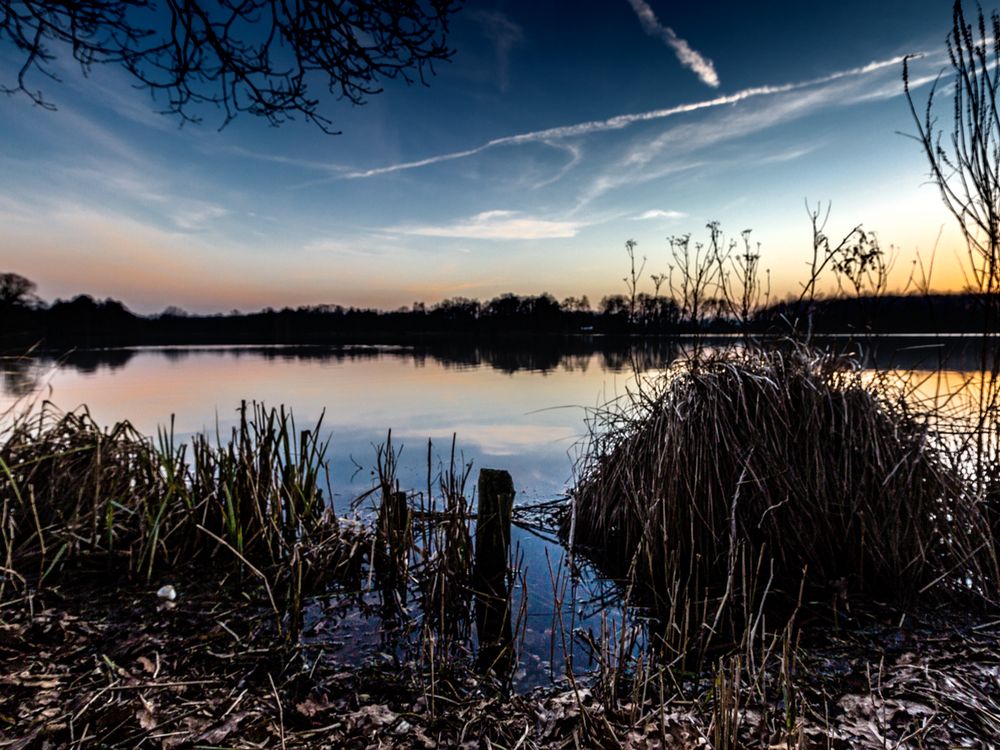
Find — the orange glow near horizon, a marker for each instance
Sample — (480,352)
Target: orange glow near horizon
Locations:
(150,271)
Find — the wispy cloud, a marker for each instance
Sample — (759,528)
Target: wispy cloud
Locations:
(575,152)
(498,225)
(657,213)
(280,159)
(676,149)
(687,145)
(690,137)
(196,217)
(504,34)
(895,88)
(619,122)
(689,58)
(327,246)
(791,154)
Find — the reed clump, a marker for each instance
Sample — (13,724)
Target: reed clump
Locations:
(74,492)
(749,472)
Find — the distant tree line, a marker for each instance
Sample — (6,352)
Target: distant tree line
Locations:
(27,321)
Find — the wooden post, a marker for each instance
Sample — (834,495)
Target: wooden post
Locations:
(490,581)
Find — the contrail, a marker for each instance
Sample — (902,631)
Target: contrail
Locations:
(623,121)
(689,58)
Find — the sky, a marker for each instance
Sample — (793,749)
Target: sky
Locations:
(557,132)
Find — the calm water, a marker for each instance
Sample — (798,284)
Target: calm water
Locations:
(516,412)
(515,409)
(509,409)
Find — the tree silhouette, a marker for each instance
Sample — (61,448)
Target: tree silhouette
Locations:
(16,291)
(965,163)
(262,57)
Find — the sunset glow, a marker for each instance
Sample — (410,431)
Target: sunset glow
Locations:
(554,135)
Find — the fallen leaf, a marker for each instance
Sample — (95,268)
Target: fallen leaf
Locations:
(147,664)
(377,714)
(310,707)
(219,733)
(146,714)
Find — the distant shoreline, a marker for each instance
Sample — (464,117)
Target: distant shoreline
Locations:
(84,322)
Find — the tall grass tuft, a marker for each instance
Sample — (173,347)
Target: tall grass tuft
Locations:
(72,491)
(743,474)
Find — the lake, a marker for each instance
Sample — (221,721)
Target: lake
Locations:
(515,408)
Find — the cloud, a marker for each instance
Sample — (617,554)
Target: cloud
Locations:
(791,154)
(620,122)
(503,34)
(279,159)
(687,145)
(326,246)
(895,88)
(690,137)
(100,163)
(575,152)
(498,225)
(195,217)
(689,58)
(657,213)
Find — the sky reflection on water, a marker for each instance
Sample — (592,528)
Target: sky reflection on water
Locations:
(516,409)
(525,419)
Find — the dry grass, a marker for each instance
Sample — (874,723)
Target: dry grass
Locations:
(75,493)
(743,475)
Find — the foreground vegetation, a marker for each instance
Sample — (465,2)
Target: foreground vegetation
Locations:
(806,554)
(73,491)
(765,634)
(766,473)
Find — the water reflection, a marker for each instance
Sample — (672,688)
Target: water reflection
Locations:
(961,353)
(522,411)
(520,407)
(512,407)
(21,377)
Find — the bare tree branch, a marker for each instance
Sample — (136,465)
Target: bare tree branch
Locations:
(966,166)
(262,57)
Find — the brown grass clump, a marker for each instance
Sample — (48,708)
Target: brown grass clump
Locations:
(72,491)
(753,471)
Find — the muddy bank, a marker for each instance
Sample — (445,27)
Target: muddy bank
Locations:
(85,665)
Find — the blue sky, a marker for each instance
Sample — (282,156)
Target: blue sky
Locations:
(558,131)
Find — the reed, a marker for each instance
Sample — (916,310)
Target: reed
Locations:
(74,493)
(741,475)
(393,534)
(444,555)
